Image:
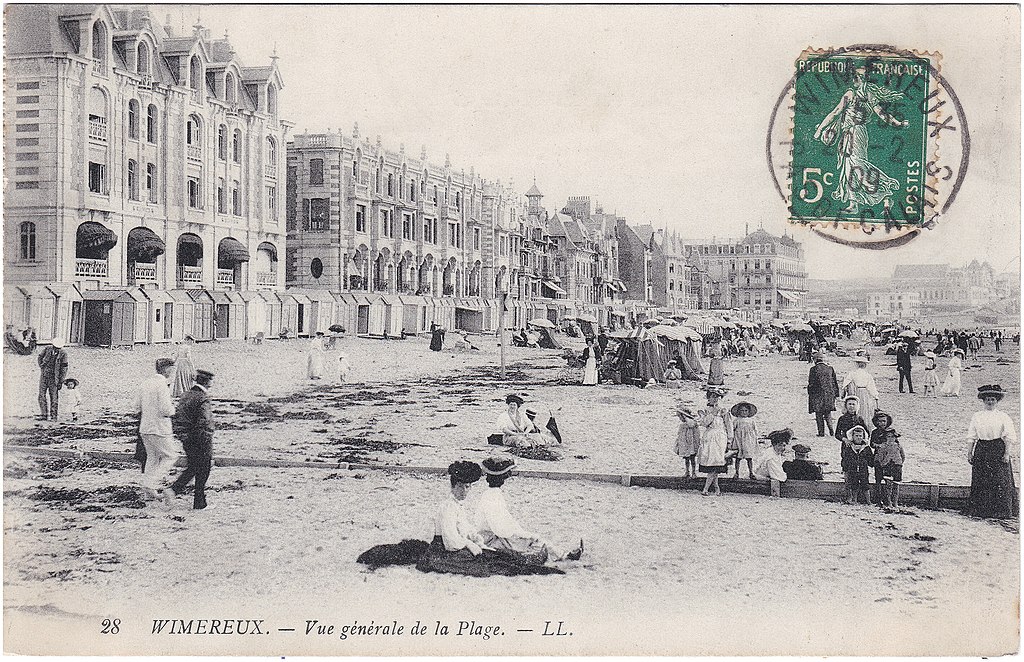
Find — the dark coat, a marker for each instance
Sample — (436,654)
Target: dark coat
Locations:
(53,365)
(822,389)
(846,423)
(858,463)
(802,470)
(903,359)
(193,422)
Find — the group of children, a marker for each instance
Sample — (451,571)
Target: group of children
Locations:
(710,439)
(862,452)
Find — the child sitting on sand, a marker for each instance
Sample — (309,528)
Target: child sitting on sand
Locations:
(889,459)
(857,459)
(687,439)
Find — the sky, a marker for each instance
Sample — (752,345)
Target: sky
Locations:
(658,113)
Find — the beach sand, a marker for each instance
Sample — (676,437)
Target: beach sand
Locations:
(664,572)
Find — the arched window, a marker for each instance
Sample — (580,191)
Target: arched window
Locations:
(222,142)
(99,45)
(142,58)
(272,153)
(391,184)
(230,88)
(151,123)
(133,119)
(28,240)
(236,146)
(195,73)
(193,131)
(133,180)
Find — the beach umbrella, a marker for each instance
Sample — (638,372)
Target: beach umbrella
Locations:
(909,334)
(800,327)
(778,324)
(587,318)
(541,322)
(655,321)
(336,328)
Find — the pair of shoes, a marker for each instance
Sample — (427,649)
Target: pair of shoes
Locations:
(575,554)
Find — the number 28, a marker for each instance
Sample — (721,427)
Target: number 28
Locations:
(111,626)
(812,181)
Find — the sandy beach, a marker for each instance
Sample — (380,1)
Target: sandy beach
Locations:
(728,575)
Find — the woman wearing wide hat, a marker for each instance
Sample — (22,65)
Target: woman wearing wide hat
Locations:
(501,531)
(860,383)
(991,434)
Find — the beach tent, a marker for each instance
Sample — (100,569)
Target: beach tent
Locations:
(202,314)
(469,315)
(638,358)
(255,313)
(294,312)
(229,309)
(68,311)
(682,341)
(159,316)
(413,313)
(115,318)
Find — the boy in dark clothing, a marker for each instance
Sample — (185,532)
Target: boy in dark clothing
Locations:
(882,422)
(850,419)
(801,468)
(889,460)
(857,460)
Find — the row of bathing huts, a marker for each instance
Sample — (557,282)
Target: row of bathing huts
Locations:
(125,317)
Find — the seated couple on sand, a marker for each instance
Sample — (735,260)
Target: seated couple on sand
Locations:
(493,543)
(520,427)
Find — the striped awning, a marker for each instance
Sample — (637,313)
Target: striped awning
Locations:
(94,236)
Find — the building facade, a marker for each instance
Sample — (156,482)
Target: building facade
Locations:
(894,305)
(138,156)
(942,288)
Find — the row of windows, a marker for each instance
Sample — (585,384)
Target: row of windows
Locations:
(316,218)
(152,117)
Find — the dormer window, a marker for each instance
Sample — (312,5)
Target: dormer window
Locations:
(195,74)
(142,61)
(271,100)
(99,45)
(230,88)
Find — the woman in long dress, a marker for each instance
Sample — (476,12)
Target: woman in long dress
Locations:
(716,430)
(716,372)
(951,386)
(184,370)
(315,357)
(991,435)
(860,383)
(501,531)
(590,367)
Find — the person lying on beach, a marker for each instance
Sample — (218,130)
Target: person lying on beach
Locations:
(499,530)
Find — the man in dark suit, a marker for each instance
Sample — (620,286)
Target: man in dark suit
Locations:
(903,365)
(53,368)
(801,468)
(193,425)
(822,391)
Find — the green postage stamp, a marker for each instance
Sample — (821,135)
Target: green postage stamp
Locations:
(860,138)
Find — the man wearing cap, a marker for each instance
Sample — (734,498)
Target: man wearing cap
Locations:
(903,365)
(822,391)
(155,409)
(193,424)
(53,368)
(801,468)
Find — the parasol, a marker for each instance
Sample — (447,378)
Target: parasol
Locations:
(541,322)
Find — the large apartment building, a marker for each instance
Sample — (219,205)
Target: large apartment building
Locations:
(137,156)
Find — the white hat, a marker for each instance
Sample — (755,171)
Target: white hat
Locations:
(57,342)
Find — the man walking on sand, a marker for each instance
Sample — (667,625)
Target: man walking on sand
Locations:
(155,409)
(53,368)
(193,424)
(903,365)
(822,391)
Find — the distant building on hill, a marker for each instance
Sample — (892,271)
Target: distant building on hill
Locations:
(940,288)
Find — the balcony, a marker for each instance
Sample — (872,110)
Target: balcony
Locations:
(226,277)
(86,268)
(98,128)
(145,81)
(142,272)
(356,190)
(195,153)
(190,276)
(197,96)
(266,279)
(270,171)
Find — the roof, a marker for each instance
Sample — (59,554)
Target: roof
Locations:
(912,271)
(645,232)
(534,191)
(759,236)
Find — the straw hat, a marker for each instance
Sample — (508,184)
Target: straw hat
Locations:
(735,411)
(880,415)
(781,437)
(861,357)
(498,466)
(991,389)
(851,397)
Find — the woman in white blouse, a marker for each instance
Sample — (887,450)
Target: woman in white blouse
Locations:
(991,435)
(500,530)
(951,386)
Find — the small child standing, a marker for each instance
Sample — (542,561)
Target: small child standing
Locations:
(72,399)
(889,459)
(857,460)
(687,439)
(343,367)
(931,377)
(882,422)
(850,419)
(744,436)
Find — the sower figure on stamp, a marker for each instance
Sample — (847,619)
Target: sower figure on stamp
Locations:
(53,368)
(193,424)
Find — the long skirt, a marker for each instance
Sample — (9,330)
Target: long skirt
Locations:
(531,550)
(484,564)
(716,373)
(992,491)
(590,372)
(952,384)
(184,377)
(315,365)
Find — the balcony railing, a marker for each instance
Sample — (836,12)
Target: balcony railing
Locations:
(266,279)
(98,129)
(142,272)
(316,141)
(190,276)
(197,96)
(225,277)
(356,190)
(87,268)
(146,81)
(195,152)
(270,171)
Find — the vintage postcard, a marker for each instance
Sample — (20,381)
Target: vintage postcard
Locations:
(430,330)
